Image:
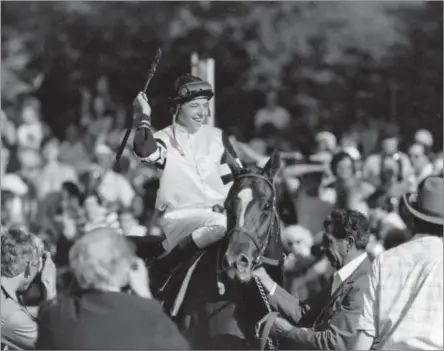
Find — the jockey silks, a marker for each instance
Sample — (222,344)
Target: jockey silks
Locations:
(197,179)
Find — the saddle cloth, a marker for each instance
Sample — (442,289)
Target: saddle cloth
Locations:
(184,286)
(173,290)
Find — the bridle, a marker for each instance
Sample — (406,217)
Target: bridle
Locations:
(260,258)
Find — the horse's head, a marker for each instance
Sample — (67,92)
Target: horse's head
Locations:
(252,218)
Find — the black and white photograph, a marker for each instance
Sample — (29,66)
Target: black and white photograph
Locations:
(222,175)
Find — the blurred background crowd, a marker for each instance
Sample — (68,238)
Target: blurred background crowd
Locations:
(351,93)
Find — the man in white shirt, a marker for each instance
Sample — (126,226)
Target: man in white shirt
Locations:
(326,321)
(403,301)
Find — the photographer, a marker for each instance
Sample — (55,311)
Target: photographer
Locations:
(23,261)
(113,309)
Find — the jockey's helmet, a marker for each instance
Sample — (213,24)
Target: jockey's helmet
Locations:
(188,87)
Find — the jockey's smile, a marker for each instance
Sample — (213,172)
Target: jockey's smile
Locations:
(192,114)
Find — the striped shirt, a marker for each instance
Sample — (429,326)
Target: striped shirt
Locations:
(195,170)
(402,308)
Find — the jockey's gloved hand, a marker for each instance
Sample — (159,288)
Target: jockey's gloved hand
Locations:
(141,106)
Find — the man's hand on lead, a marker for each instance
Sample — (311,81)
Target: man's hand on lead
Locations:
(264,278)
(280,327)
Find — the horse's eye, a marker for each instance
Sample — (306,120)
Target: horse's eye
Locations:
(268,206)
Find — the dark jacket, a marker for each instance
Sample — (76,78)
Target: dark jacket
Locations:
(326,322)
(93,320)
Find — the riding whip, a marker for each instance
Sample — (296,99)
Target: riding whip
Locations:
(151,73)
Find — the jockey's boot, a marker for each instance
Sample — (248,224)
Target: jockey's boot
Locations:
(183,251)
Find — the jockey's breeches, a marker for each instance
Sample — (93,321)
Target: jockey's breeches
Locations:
(205,226)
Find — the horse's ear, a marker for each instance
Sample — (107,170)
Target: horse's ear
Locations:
(273,164)
(233,164)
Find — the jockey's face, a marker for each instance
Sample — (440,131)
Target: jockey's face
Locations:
(193,114)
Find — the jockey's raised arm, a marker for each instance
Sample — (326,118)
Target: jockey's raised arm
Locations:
(145,146)
(196,162)
(152,148)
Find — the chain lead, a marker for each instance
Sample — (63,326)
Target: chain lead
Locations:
(267,304)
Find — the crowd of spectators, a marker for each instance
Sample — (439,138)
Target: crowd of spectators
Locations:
(62,189)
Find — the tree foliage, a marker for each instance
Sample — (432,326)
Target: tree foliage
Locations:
(334,62)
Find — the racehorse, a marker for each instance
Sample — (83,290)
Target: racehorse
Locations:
(223,301)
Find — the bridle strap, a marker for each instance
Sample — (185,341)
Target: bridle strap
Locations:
(268,261)
(252,175)
(247,233)
(260,259)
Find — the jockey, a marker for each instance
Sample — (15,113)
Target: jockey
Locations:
(195,177)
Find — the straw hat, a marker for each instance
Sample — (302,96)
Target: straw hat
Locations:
(428,203)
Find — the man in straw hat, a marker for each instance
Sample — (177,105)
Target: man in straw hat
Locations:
(403,303)
(195,174)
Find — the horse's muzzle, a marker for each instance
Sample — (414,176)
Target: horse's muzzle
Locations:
(239,266)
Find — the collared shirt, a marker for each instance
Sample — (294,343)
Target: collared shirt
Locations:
(18,326)
(341,275)
(195,173)
(402,307)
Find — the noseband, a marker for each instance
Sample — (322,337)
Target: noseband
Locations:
(260,259)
